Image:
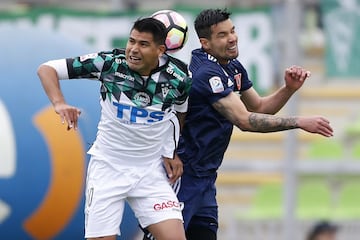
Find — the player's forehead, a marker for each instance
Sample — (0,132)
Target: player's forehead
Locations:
(223,26)
(141,36)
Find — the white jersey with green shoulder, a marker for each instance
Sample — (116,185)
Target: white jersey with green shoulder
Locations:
(138,120)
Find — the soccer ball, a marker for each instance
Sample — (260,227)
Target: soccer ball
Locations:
(176,27)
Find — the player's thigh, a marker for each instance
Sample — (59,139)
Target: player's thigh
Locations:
(171,229)
(105,199)
(198,196)
(153,200)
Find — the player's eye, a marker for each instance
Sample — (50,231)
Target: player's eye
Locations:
(144,44)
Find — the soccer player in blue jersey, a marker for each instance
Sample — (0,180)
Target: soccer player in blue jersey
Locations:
(143,98)
(222,96)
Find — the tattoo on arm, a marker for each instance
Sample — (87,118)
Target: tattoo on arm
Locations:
(257,122)
(269,123)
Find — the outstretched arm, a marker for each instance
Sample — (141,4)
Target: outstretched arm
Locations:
(235,111)
(294,78)
(50,82)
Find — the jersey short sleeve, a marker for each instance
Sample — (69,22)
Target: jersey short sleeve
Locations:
(240,76)
(88,66)
(181,78)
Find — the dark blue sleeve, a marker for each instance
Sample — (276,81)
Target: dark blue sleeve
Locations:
(246,83)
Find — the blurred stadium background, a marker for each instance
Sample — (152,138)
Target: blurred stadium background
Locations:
(270,186)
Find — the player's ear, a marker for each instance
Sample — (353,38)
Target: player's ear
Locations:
(204,43)
(162,49)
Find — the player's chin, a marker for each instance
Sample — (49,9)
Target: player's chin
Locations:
(231,54)
(134,66)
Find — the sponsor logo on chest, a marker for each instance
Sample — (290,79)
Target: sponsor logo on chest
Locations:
(171,70)
(131,114)
(124,76)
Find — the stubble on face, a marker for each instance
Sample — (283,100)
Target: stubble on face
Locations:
(223,42)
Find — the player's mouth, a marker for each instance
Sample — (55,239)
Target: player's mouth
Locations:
(232,48)
(134,60)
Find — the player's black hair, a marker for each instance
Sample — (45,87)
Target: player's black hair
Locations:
(207,18)
(153,26)
(320,228)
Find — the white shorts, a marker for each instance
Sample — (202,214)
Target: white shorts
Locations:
(147,191)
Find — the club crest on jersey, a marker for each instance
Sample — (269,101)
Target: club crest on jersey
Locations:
(141,99)
(216,84)
(238,80)
(165,89)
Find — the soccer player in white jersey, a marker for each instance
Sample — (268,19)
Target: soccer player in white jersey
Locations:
(143,97)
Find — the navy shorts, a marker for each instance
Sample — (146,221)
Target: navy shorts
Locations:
(198,194)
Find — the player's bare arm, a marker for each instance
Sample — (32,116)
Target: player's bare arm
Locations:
(50,82)
(269,123)
(235,111)
(181,117)
(174,167)
(294,78)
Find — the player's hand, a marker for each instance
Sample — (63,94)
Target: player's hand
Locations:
(317,124)
(295,77)
(68,114)
(174,168)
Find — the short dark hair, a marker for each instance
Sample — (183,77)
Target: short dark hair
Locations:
(321,227)
(207,18)
(153,26)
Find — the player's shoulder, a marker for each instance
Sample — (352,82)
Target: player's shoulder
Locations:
(236,63)
(179,63)
(206,69)
(118,51)
(203,63)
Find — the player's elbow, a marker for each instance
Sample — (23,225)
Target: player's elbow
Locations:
(242,125)
(245,129)
(45,71)
(42,70)
(242,122)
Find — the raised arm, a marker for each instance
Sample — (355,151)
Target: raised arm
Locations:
(50,82)
(235,111)
(294,77)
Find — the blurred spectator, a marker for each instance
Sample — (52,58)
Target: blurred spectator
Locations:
(323,231)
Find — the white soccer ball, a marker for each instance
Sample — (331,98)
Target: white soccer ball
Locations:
(176,27)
